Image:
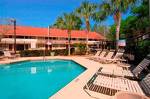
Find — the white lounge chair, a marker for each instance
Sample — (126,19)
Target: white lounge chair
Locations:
(111,85)
(108,56)
(102,55)
(96,55)
(7,54)
(116,58)
(127,73)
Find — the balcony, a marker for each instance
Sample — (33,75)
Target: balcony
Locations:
(18,41)
(41,41)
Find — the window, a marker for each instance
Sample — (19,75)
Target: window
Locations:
(73,39)
(82,39)
(19,36)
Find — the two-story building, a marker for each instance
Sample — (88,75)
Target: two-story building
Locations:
(38,38)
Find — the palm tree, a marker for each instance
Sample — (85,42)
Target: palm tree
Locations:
(116,8)
(68,22)
(59,22)
(86,11)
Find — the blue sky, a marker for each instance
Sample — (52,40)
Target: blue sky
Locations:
(40,13)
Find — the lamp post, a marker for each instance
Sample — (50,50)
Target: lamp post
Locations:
(14,24)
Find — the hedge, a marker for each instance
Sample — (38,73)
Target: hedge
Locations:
(80,49)
(32,53)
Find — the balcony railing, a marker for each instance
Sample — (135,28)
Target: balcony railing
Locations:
(42,41)
(18,41)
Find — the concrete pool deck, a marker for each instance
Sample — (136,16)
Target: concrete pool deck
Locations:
(74,89)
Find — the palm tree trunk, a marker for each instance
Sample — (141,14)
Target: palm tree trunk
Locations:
(69,40)
(87,35)
(87,38)
(118,24)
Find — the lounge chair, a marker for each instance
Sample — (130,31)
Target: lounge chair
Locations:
(108,56)
(102,55)
(116,58)
(142,65)
(130,74)
(7,54)
(109,85)
(96,55)
(139,68)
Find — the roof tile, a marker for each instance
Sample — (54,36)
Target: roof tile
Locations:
(54,32)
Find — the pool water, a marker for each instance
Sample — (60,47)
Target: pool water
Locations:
(36,79)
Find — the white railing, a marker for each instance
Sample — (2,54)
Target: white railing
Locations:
(29,41)
(18,41)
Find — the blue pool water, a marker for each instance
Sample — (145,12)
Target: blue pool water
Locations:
(36,79)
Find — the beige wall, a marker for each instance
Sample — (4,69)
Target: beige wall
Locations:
(39,43)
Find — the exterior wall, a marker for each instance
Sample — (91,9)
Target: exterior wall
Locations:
(38,38)
(23,43)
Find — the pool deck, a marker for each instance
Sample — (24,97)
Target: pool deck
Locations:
(73,90)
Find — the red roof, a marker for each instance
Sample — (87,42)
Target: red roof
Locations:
(41,32)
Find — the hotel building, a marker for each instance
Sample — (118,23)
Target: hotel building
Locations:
(39,38)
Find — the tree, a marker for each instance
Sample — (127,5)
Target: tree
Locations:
(115,8)
(138,22)
(101,29)
(61,24)
(110,36)
(142,14)
(68,22)
(86,11)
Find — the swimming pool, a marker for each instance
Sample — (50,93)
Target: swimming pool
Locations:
(36,79)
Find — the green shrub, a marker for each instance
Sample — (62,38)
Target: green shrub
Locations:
(32,53)
(142,49)
(80,49)
(61,52)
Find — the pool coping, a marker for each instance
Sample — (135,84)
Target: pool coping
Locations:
(70,91)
